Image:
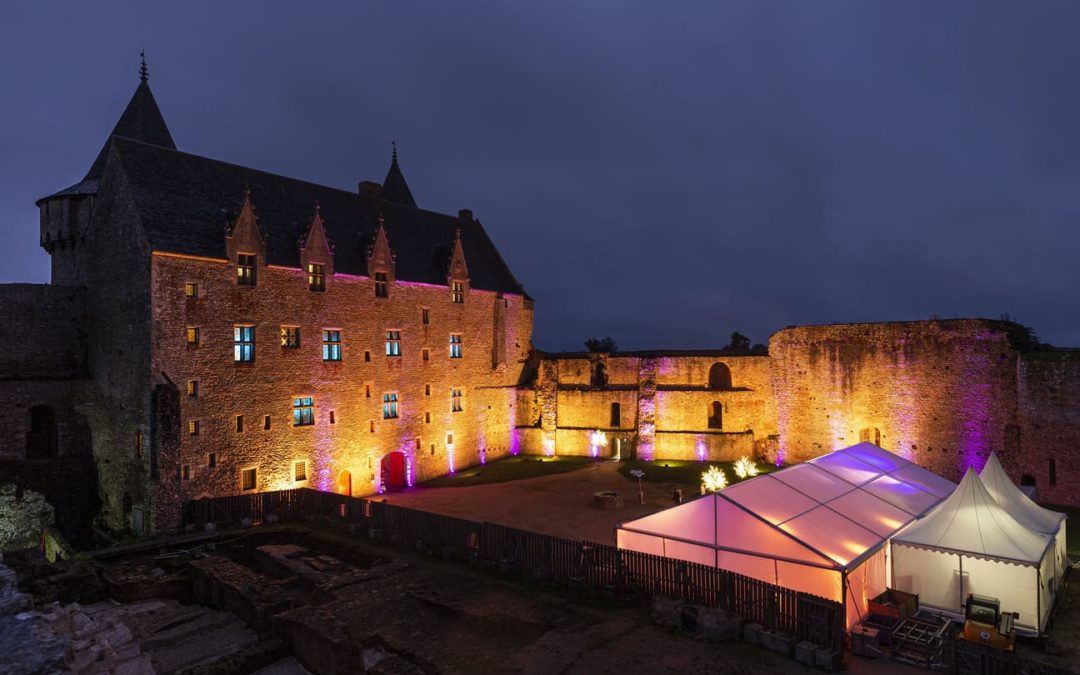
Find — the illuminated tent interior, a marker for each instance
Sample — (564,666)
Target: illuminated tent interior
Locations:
(1026,512)
(818,527)
(970,544)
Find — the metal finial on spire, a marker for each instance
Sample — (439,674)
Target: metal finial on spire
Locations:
(393,155)
(144,73)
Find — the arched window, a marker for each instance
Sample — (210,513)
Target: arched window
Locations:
(719,376)
(870,435)
(716,415)
(599,374)
(41,439)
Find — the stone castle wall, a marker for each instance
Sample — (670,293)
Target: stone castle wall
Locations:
(1049,425)
(349,433)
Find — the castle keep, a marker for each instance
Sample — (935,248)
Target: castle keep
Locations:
(212,329)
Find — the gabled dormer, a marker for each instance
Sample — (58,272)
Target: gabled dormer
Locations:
(457,276)
(317,254)
(381,265)
(245,244)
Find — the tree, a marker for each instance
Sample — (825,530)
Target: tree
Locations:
(739,343)
(602,345)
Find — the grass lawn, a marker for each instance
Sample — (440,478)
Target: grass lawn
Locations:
(1072,528)
(685,473)
(510,468)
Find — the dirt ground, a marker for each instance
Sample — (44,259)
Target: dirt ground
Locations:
(560,505)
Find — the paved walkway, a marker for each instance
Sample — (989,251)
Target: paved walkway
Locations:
(560,504)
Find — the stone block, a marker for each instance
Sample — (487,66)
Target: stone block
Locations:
(717,625)
(806,653)
(827,660)
(752,633)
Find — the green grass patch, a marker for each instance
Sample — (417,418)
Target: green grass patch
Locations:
(510,468)
(1072,528)
(685,473)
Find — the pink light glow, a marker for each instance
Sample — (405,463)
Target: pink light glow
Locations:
(702,451)
(515,442)
(483,456)
(549,447)
(408,469)
(450,457)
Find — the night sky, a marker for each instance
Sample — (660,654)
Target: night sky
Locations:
(664,173)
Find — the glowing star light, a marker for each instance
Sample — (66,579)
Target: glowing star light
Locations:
(745,468)
(597,440)
(713,480)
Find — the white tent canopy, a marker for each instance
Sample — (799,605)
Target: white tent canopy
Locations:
(1025,511)
(818,527)
(970,544)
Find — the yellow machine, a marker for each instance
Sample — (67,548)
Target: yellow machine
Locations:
(986,624)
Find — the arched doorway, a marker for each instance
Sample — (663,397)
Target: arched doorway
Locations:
(344,483)
(41,439)
(719,376)
(393,471)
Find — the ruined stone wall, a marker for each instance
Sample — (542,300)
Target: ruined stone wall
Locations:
(48,340)
(349,433)
(940,393)
(1048,433)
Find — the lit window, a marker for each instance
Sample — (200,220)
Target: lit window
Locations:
(290,337)
(303,411)
(393,343)
(191,290)
(193,335)
(331,345)
(193,427)
(185,472)
(193,388)
(382,285)
(316,277)
(426,354)
(300,471)
(211,460)
(245,269)
(248,479)
(243,344)
(457,292)
(239,424)
(455,400)
(389,406)
(455,346)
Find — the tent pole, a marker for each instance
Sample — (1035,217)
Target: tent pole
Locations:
(1038,597)
(961,559)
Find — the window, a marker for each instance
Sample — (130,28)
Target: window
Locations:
(193,388)
(211,460)
(316,277)
(870,436)
(427,390)
(332,420)
(266,422)
(716,415)
(389,406)
(616,415)
(243,344)
(138,443)
(427,418)
(382,285)
(191,290)
(331,345)
(303,411)
(393,343)
(248,479)
(455,346)
(457,292)
(455,400)
(1053,471)
(193,427)
(449,439)
(239,424)
(185,472)
(371,426)
(193,336)
(367,390)
(426,354)
(425,316)
(432,449)
(290,337)
(300,471)
(245,269)
(719,376)
(367,356)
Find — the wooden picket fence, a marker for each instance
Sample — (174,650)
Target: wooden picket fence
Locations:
(546,558)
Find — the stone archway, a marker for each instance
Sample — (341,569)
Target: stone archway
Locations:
(393,471)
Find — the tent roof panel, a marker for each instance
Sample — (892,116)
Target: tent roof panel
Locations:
(907,496)
(834,535)
(927,480)
(693,521)
(876,515)
(814,481)
(740,530)
(848,467)
(877,457)
(769,498)
(1015,502)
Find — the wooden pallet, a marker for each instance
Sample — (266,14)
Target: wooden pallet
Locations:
(919,640)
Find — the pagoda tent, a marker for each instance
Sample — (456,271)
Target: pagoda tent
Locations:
(1026,512)
(970,544)
(819,527)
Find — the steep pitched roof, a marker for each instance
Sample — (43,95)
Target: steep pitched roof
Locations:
(1018,504)
(394,187)
(185,203)
(140,121)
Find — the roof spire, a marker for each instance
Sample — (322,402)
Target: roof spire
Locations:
(393,154)
(144,74)
(394,187)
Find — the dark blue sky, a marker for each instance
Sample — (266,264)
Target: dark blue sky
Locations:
(664,173)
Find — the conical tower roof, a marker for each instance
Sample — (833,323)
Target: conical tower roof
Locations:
(140,121)
(1013,500)
(394,187)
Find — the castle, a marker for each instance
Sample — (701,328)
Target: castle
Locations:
(212,329)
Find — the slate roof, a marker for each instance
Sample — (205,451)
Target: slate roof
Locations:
(394,188)
(186,204)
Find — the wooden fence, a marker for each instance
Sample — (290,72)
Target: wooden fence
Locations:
(551,559)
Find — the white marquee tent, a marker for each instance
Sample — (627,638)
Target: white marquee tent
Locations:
(1026,512)
(818,527)
(970,544)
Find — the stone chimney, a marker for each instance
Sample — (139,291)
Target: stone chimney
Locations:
(465,214)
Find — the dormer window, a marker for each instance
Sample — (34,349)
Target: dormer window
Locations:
(457,292)
(245,269)
(382,285)
(316,277)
